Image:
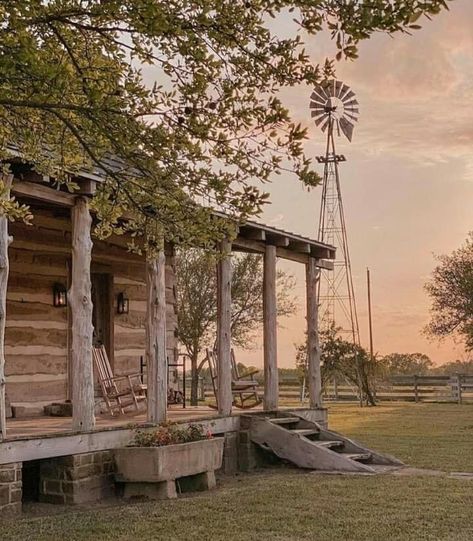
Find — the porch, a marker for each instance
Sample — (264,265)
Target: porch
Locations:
(48,346)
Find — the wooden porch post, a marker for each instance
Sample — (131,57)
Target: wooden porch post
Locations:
(313,346)
(156,338)
(80,300)
(271,386)
(224,322)
(5,241)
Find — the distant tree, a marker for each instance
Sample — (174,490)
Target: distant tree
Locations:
(451,292)
(404,364)
(454,367)
(197,302)
(342,358)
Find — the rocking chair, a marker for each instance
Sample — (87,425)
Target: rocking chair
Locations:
(119,392)
(244,386)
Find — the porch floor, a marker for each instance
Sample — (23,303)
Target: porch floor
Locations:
(42,426)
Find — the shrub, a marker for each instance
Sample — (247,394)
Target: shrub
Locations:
(170,434)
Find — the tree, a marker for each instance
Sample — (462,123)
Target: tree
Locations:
(342,358)
(197,302)
(454,367)
(204,119)
(451,292)
(404,364)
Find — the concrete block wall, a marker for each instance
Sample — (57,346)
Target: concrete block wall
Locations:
(10,489)
(77,479)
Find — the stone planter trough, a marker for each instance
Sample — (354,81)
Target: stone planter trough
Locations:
(152,472)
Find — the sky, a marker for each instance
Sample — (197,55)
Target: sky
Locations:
(408,182)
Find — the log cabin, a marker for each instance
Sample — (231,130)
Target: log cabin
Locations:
(64,291)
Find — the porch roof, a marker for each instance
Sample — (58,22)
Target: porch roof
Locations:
(252,236)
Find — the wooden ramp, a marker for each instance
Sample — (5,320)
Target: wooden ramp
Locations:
(308,445)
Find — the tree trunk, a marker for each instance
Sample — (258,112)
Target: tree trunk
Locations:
(156,338)
(5,241)
(80,300)
(194,379)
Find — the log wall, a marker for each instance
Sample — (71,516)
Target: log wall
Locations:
(38,334)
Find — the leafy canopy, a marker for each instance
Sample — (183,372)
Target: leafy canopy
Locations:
(184,92)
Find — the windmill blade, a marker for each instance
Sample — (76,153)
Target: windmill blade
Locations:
(347,128)
(348,96)
(315,114)
(353,110)
(351,117)
(317,105)
(350,103)
(338,87)
(319,95)
(326,124)
(317,98)
(320,119)
(343,91)
(325,89)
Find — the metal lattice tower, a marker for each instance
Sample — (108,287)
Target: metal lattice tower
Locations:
(335,109)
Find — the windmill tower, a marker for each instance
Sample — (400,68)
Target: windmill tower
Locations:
(335,110)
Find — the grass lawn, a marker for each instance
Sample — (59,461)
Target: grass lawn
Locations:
(294,505)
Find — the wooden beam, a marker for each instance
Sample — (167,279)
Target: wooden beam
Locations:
(300,247)
(156,338)
(270,401)
(5,241)
(313,345)
(278,240)
(224,322)
(248,245)
(253,234)
(80,300)
(43,193)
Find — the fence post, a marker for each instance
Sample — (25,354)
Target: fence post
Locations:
(459,386)
(416,389)
(335,388)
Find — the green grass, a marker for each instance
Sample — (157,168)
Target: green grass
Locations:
(292,505)
(436,436)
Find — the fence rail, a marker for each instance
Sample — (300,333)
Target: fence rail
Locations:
(457,388)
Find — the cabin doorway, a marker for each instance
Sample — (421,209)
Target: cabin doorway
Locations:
(102,316)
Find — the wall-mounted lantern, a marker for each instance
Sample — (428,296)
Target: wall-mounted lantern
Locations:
(123,305)
(59,295)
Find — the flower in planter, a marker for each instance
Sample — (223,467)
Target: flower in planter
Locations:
(170,434)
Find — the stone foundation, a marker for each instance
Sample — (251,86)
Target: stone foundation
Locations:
(77,478)
(230,453)
(10,489)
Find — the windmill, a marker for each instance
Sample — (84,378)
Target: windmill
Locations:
(334,109)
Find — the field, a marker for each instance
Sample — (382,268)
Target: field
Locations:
(293,505)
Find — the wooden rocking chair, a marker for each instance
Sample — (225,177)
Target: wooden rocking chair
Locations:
(244,386)
(119,392)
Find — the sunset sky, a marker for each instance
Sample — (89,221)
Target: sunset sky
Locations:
(408,182)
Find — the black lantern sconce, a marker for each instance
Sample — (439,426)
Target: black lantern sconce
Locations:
(123,304)
(59,295)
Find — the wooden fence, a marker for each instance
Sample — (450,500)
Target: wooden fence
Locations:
(432,388)
(457,388)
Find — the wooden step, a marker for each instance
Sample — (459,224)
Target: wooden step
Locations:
(284,420)
(305,431)
(330,443)
(359,457)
